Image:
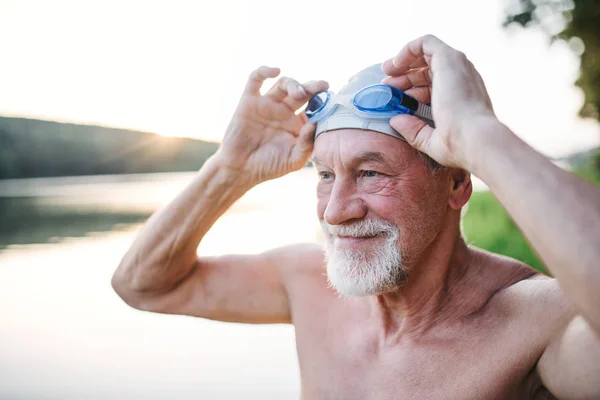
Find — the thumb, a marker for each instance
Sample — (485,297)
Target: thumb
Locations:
(416,131)
(304,144)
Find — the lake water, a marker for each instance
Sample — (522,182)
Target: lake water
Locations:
(64,333)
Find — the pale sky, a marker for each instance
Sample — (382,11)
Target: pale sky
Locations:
(178,67)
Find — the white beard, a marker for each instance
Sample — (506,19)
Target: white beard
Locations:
(364,273)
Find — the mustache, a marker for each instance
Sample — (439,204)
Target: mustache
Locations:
(362,228)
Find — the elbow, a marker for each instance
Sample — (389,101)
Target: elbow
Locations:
(118,284)
(137,285)
(126,286)
(131,296)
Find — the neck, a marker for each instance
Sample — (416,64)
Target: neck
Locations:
(429,296)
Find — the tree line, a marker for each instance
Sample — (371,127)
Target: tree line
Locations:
(35,148)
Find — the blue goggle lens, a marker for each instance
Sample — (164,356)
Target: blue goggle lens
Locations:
(373,98)
(316,103)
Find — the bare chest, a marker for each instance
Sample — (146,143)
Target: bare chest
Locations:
(344,360)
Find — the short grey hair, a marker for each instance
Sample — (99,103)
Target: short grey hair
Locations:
(432,165)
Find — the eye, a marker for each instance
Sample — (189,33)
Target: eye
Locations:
(324,175)
(370,174)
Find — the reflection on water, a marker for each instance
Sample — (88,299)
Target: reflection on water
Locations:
(64,334)
(27,220)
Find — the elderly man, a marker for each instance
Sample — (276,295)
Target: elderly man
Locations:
(422,314)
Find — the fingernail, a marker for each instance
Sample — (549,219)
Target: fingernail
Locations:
(301,90)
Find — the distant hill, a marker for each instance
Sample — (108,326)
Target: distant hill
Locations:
(36,148)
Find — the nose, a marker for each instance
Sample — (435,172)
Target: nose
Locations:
(344,204)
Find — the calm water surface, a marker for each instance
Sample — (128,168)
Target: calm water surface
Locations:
(64,334)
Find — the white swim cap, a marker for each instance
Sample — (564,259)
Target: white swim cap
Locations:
(343,118)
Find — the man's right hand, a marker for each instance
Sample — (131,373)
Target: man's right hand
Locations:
(266,139)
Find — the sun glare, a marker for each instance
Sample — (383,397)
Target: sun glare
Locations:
(169,74)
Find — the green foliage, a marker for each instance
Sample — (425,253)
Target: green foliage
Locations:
(488,226)
(577,22)
(589,169)
(33,148)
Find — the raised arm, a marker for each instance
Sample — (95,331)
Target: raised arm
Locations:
(161,271)
(558,212)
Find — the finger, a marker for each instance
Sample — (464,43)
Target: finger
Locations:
(285,87)
(421,94)
(413,78)
(419,62)
(258,76)
(414,55)
(304,145)
(311,88)
(415,131)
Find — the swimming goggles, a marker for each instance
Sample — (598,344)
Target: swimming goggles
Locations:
(378,101)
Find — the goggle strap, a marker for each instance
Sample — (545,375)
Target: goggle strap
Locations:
(423,110)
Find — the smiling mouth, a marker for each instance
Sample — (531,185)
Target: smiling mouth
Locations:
(356,239)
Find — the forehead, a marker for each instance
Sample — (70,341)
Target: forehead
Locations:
(346,145)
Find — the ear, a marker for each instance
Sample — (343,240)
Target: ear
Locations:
(460,188)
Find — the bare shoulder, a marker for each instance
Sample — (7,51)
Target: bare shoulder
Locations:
(300,256)
(538,296)
(304,272)
(530,297)
(298,259)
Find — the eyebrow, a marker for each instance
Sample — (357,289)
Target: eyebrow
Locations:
(367,156)
(371,156)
